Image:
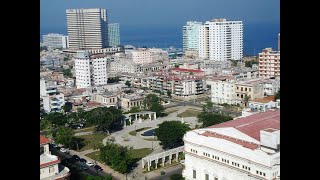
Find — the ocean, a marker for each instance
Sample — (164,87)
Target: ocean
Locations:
(257,36)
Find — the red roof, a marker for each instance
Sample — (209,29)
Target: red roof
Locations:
(245,144)
(44,140)
(186,70)
(251,125)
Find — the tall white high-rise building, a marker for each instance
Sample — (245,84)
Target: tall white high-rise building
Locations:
(91,70)
(113,34)
(190,34)
(53,40)
(87,28)
(221,40)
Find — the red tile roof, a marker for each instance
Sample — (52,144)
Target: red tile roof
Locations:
(186,70)
(245,144)
(251,125)
(49,163)
(264,100)
(44,140)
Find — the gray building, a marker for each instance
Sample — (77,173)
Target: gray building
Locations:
(87,28)
(114,34)
(55,41)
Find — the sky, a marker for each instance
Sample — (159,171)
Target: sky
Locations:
(159,13)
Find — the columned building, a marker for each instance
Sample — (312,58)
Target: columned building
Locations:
(87,28)
(247,148)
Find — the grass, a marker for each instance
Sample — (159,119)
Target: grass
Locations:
(84,129)
(94,155)
(189,113)
(134,154)
(89,141)
(170,111)
(139,153)
(134,133)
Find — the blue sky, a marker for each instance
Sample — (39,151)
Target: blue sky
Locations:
(155,13)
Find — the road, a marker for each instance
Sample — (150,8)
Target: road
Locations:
(90,171)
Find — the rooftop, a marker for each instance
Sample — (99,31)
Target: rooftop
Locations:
(264,100)
(251,125)
(44,140)
(48,159)
(187,70)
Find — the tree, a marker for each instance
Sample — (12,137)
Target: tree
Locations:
(169,93)
(67,107)
(157,107)
(209,119)
(56,118)
(250,63)
(116,156)
(67,72)
(208,106)
(65,136)
(246,99)
(234,62)
(108,177)
(134,109)
(103,117)
(128,83)
(66,58)
(176,177)
(170,133)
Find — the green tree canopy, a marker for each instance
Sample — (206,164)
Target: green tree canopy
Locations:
(65,136)
(153,103)
(134,109)
(103,117)
(176,177)
(170,133)
(67,107)
(67,72)
(56,118)
(116,156)
(128,83)
(277,95)
(209,119)
(169,93)
(250,63)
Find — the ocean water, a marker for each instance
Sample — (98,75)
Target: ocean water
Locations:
(257,36)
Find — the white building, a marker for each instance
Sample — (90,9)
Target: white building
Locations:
(53,102)
(55,41)
(49,164)
(190,34)
(223,90)
(87,28)
(269,63)
(242,149)
(221,40)
(91,70)
(113,34)
(263,104)
(141,56)
(107,98)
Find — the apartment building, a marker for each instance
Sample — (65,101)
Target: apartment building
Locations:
(53,40)
(190,34)
(114,34)
(91,70)
(247,148)
(269,63)
(141,56)
(223,90)
(221,40)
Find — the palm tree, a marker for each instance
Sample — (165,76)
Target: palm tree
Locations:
(246,99)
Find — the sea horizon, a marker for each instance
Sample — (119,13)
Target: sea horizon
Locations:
(257,36)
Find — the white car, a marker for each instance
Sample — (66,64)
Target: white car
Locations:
(64,150)
(182,162)
(90,163)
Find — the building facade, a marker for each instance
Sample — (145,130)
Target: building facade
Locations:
(141,56)
(223,90)
(221,40)
(87,28)
(244,149)
(53,102)
(49,164)
(55,41)
(269,63)
(107,98)
(91,70)
(190,33)
(113,34)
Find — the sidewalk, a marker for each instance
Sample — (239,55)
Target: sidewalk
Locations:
(115,175)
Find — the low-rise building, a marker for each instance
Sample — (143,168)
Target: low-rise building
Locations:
(245,148)
(129,101)
(141,56)
(263,104)
(108,99)
(53,102)
(50,169)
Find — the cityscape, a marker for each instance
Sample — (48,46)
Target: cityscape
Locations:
(199,108)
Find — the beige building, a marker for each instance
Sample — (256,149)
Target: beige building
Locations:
(269,63)
(141,56)
(107,98)
(50,169)
(251,89)
(129,101)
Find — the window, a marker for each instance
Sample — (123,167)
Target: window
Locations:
(245,89)
(207,176)
(249,89)
(51,169)
(215,178)
(194,174)
(264,174)
(241,88)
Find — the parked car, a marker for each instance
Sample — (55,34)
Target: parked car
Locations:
(97,167)
(83,160)
(64,150)
(83,167)
(89,163)
(75,157)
